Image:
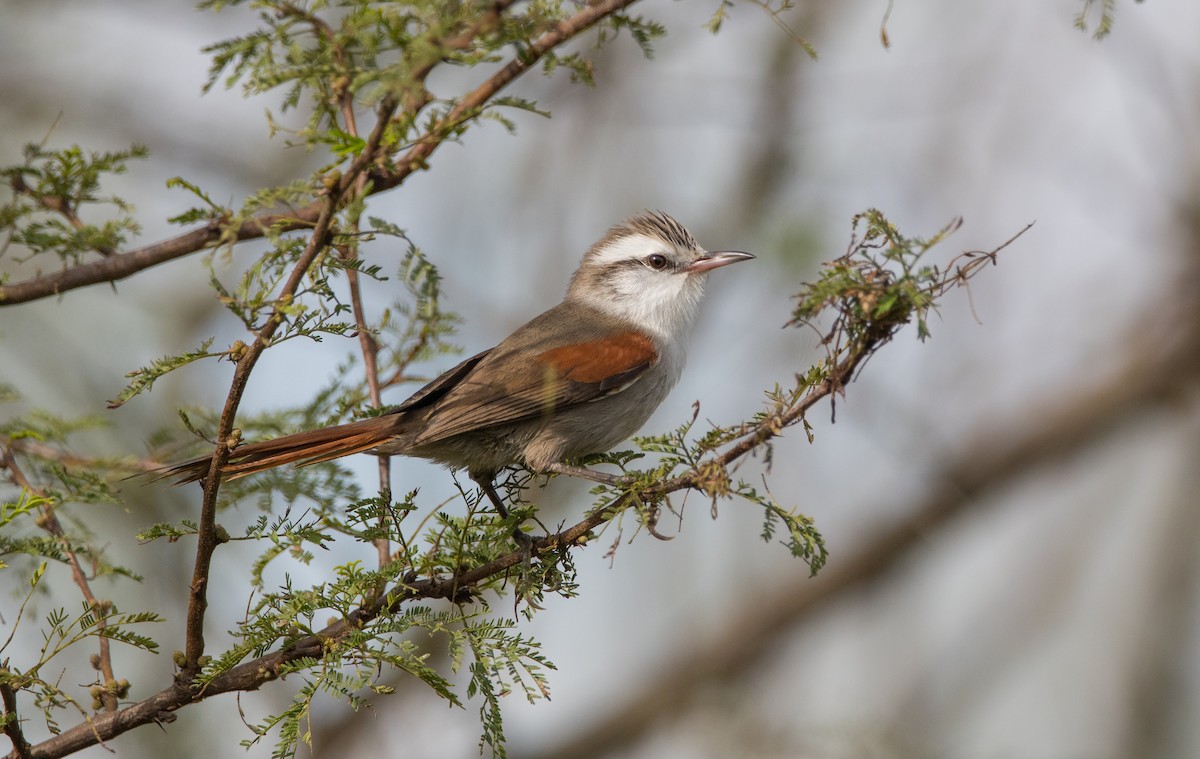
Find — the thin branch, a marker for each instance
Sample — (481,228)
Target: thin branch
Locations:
(49,522)
(369,347)
(122,265)
(12,720)
(57,205)
(958,273)
(207,538)
(366,341)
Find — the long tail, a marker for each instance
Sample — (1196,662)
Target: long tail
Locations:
(301,449)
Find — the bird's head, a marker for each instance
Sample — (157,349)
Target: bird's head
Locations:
(649,270)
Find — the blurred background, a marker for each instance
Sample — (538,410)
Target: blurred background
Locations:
(1010,507)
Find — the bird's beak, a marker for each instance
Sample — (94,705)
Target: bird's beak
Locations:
(715,259)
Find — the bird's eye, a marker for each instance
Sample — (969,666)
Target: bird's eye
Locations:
(656,261)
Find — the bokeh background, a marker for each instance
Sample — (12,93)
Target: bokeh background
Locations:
(1010,507)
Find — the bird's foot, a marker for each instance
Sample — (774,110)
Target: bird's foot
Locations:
(525,542)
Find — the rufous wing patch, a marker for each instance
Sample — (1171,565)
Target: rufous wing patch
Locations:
(541,385)
(607,362)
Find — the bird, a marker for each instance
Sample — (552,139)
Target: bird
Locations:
(576,380)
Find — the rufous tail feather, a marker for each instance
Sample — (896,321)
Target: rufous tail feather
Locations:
(300,449)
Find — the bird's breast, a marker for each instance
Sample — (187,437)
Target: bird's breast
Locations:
(601,425)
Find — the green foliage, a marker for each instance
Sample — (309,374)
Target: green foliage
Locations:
(803,540)
(355,54)
(710,475)
(1107,12)
(52,193)
(503,661)
(41,524)
(31,671)
(719,16)
(143,379)
(210,211)
(643,32)
(879,285)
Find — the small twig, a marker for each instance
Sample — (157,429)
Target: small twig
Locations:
(12,720)
(777,18)
(884,39)
(369,347)
(340,83)
(402,365)
(56,205)
(50,523)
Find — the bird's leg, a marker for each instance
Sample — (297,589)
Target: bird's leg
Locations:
(570,470)
(489,489)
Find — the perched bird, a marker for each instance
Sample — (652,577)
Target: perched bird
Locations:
(576,380)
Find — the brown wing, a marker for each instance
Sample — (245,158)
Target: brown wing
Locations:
(518,384)
(437,388)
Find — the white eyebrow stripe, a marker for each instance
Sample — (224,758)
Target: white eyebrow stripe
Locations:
(629,247)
